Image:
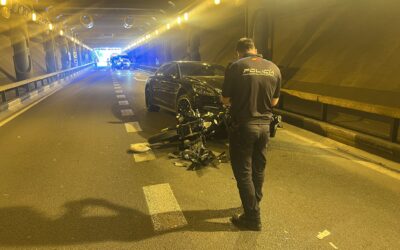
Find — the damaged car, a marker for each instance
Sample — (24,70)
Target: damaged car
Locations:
(184,85)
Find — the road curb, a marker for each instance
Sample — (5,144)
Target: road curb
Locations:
(386,149)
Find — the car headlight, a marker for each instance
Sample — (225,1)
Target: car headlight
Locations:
(203,90)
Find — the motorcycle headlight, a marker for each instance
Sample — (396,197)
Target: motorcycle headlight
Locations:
(203,90)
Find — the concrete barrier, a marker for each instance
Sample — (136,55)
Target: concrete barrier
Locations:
(359,140)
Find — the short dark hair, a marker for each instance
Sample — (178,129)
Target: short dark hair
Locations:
(244,45)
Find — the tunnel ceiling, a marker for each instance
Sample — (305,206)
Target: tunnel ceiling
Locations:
(108,18)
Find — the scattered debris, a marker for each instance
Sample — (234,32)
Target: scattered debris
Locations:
(333,245)
(323,234)
(199,156)
(173,156)
(182,164)
(140,147)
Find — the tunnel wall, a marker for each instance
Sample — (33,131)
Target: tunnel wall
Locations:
(348,49)
(38,58)
(7,71)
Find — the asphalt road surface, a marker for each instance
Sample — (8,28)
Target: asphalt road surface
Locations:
(67,181)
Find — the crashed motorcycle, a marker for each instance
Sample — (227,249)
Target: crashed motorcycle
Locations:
(192,131)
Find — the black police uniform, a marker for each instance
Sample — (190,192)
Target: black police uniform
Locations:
(251,83)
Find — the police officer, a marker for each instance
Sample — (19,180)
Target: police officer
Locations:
(251,88)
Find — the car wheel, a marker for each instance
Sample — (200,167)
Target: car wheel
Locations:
(149,102)
(183,104)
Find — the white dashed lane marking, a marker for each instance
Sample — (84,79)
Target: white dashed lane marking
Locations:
(132,127)
(119,91)
(142,157)
(121,96)
(335,152)
(127,112)
(123,103)
(163,207)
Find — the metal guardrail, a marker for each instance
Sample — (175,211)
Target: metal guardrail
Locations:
(344,103)
(327,101)
(22,88)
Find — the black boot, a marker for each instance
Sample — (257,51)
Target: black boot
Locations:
(242,222)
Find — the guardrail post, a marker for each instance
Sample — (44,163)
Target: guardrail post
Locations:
(17,92)
(394,130)
(281,100)
(3,97)
(324,112)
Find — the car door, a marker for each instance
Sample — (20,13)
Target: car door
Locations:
(169,85)
(157,82)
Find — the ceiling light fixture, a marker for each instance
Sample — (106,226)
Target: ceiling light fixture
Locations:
(217,2)
(50,26)
(186,16)
(34,17)
(179,20)
(3,2)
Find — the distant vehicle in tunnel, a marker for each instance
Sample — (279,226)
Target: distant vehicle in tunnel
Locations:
(182,85)
(120,62)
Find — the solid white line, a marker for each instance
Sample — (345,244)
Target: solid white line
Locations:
(163,207)
(366,164)
(140,80)
(2,123)
(132,127)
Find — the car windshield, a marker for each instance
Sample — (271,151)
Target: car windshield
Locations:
(201,69)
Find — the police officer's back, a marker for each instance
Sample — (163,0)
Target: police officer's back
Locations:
(251,87)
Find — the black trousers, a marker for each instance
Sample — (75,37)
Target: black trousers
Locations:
(248,152)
